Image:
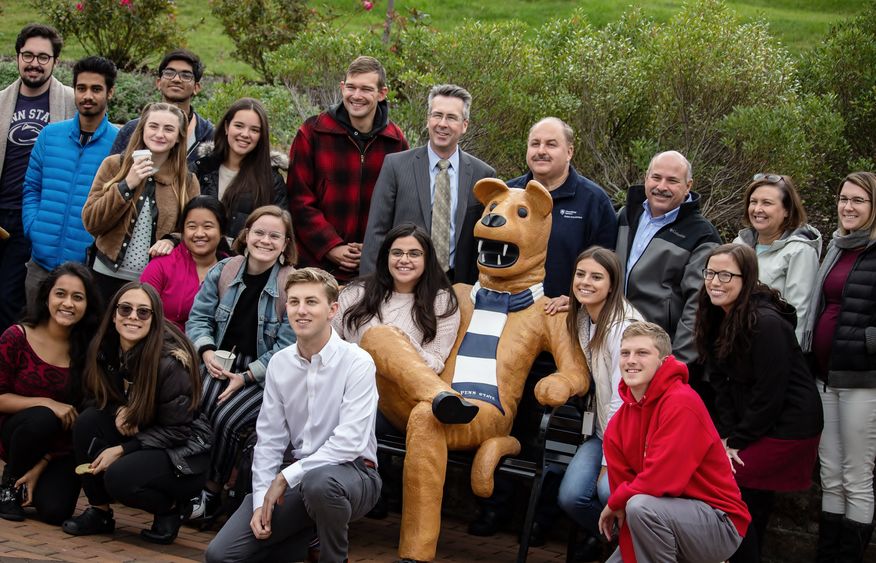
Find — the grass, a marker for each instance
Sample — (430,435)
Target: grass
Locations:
(797,24)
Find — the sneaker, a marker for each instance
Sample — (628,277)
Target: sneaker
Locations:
(205,505)
(91,521)
(10,504)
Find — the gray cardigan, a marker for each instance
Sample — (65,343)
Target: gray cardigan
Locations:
(61,107)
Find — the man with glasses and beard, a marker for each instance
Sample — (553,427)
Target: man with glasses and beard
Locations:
(179,80)
(26,106)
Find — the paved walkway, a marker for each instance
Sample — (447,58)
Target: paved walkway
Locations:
(372,541)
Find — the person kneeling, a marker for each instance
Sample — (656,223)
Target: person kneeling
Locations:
(673,493)
(320,394)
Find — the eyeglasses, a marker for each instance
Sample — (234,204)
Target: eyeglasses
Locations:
(771,178)
(124,310)
(412,254)
(451,118)
(723,276)
(42,58)
(855,201)
(273,235)
(184,75)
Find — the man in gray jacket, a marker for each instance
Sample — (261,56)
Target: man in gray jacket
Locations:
(34,99)
(662,243)
(411,184)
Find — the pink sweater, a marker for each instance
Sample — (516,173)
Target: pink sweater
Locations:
(175,277)
(398,312)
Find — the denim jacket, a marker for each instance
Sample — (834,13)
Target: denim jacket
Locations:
(209,317)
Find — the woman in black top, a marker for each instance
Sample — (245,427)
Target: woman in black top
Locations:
(142,442)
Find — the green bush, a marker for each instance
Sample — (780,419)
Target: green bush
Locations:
(260,26)
(844,66)
(127,32)
(286,109)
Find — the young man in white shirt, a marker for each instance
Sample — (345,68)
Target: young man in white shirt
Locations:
(320,395)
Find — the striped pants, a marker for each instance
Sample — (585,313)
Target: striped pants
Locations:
(228,420)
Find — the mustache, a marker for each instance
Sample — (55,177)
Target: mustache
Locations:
(663,193)
(34,69)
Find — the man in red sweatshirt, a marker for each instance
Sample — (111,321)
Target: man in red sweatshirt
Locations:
(673,495)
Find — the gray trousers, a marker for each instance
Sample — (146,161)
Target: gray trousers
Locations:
(328,498)
(678,529)
(35,276)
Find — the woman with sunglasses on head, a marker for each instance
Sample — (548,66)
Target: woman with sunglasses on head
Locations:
(239,167)
(767,408)
(241,310)
(841,335)
(787,247)
(597,324)
(137,197)
(141,443)
(178,275)
(41,364)
(408,290)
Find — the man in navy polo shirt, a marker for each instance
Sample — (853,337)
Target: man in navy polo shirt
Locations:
(582,216)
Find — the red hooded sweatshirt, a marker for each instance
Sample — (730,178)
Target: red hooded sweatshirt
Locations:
(666,446)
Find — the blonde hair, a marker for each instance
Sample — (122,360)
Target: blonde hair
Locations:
(176,159)
(655,332)
(315,275)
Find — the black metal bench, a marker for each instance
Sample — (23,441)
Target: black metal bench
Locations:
(558,437)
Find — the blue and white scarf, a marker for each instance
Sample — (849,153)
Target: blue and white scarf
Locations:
(475,374)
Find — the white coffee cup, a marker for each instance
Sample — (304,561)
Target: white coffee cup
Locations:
(143,153)
(224,358)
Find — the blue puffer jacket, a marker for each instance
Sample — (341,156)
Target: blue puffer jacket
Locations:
(56,184)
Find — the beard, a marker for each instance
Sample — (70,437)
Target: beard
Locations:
(36,82)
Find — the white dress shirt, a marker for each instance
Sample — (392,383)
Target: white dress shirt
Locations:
(325,407)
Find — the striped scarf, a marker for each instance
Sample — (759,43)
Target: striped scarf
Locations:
(475,373)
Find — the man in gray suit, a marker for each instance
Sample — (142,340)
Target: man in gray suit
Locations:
(409,189)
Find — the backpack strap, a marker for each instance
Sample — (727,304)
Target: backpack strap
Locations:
(232,268)
(280,303)
(228,273)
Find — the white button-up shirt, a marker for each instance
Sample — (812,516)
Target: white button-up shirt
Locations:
(325,407)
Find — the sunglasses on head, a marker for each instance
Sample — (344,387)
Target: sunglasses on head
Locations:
(124,310)
(771,178)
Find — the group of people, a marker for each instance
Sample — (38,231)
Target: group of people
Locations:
(721,372)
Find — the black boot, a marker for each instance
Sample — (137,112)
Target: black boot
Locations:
(829,528)
(10,503)
(854,539)
(165,527)
(450,408)
(91,521)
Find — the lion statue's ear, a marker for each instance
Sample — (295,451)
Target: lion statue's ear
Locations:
(540,199)
(488,188)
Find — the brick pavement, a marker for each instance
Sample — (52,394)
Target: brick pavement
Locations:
(372,541)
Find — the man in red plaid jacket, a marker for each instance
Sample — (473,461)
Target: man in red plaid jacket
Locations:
(334,163)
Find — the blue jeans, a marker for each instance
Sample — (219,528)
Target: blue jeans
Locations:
(581,497)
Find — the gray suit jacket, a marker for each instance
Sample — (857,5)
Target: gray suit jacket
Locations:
(403,194)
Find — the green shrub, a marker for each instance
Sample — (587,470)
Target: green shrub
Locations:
(260,26)
(286,110)
(127,32)
(844,66)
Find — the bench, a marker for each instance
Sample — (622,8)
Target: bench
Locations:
(556,441)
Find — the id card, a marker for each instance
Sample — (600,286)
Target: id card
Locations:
(588,421)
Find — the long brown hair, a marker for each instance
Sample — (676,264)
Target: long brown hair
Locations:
(142,361)
(255,175)
(613,310)
(176,159)
(721,335)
